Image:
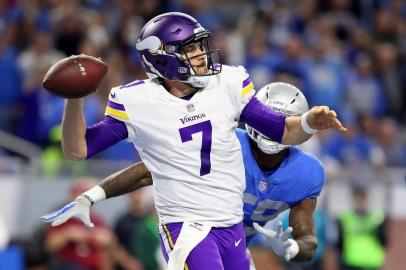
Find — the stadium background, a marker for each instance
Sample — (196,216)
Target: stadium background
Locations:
(349,55)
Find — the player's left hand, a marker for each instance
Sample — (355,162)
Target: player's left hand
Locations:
(279,240)
(322,117)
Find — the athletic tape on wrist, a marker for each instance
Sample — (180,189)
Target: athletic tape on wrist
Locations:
(305,126)
(293,249)
(88,198)
(95,194)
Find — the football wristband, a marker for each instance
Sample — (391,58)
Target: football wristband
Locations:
(293,249)
(305,126)
(95,194)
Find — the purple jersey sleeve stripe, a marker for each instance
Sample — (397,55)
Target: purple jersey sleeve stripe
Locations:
(116,106)
(246,82)
(107,132)
(264,119)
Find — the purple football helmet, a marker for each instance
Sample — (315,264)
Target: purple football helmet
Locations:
(161,45)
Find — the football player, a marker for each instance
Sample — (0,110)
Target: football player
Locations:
(281,177)
(182,122)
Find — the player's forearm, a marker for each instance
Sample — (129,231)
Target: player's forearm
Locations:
(307,248)
(301,220)
(294,132)
(74,130)
(126,181)
(120,183)
(81,142)
(263,119)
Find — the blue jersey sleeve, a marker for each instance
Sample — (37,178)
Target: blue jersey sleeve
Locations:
(300,177)
(313,178)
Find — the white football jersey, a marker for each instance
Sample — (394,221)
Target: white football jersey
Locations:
(189,146)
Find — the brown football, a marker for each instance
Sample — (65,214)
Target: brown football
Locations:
(75,76)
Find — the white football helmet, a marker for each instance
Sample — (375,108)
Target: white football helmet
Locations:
(283,98)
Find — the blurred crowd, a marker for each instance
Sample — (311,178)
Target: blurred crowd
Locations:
(347,54)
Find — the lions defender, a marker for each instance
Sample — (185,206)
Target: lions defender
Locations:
(279,177)
(182,122)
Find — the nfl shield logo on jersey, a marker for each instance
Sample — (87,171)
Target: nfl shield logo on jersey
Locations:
(190,108)
(262,186)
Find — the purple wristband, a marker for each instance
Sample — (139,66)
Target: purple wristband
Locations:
(258,116)
(107,132)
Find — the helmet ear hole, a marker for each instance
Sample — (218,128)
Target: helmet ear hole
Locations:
(170,48)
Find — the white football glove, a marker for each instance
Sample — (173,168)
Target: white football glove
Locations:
(79,208)
(279,240)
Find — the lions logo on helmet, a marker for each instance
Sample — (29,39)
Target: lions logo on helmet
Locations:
(283,98)
(161,45)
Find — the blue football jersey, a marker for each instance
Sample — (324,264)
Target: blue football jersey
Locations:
(300,176)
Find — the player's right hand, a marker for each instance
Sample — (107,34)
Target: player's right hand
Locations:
(322,117)
(79,208)
(279,240)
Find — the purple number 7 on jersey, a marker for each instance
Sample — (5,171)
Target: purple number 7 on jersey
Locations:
(186,135)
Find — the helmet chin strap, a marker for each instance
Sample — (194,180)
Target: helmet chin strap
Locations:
(198,81)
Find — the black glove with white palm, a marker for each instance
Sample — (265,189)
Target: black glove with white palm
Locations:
(279,240)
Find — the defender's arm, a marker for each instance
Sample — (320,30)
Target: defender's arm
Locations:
(127,180)
(122,182)
(301,221)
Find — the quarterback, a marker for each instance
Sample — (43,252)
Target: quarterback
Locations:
(280,177)
(182,122)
